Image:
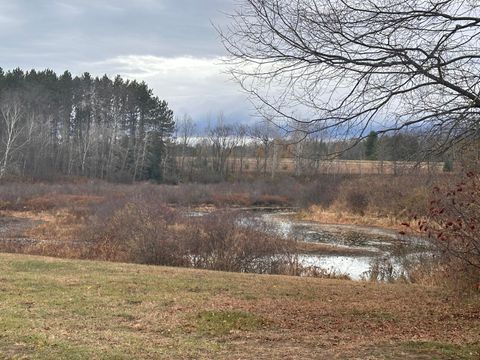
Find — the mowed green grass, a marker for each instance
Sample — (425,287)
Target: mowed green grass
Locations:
(66,309)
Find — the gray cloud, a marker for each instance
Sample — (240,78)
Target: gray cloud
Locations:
(95,30)
(170,44)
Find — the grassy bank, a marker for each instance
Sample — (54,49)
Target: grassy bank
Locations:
(69,309)
(338,216)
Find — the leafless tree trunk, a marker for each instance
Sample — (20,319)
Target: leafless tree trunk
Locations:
(222,140)
(242,143)
(265,134)
(275,152)
(185,130)
(12,114)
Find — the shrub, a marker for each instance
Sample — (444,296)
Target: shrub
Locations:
(220,241)
(143,231)
(137,232)
(357,202)
(271,200)
(452,228)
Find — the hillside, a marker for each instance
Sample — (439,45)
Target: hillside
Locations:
(68,309)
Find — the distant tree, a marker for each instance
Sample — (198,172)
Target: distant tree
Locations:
(222,138)
(371,146)
(12,115)
(185,128)
(263,134)
(160,127)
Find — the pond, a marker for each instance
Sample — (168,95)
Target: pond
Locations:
(353,248)
(347,249)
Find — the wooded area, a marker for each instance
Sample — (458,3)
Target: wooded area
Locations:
(82,126)
(119,131)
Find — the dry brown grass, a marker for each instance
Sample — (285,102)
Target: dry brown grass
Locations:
(330,216)
(240,199)
(59,223)
(51,201)
(327,249)
(139,229)
(90,310)
(381,201)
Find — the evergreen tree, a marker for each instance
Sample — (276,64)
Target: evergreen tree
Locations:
(84,125)
(371,146)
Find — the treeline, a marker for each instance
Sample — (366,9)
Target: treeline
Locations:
(52,125)
(114,129)
(227,151)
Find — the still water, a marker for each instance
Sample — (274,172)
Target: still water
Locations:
(368,244)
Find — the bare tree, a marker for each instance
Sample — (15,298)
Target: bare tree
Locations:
(185,128)
(12,114)
(242,134)
(351,65)
(264,134)
(223,140)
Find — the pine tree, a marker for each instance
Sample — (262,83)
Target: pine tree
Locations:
(89,126)
(371,146)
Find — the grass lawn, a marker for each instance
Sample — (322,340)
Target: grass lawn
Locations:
(65,309)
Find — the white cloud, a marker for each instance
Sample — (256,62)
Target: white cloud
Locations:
(198,86)
(170,44)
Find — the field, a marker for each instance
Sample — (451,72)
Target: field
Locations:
(251,165)
(70,309)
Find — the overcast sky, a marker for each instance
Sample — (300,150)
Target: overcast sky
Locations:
(170,44)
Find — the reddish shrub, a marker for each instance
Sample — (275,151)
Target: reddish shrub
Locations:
(453,228)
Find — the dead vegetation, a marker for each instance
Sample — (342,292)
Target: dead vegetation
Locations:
(90,310)
(371,194)
(176,313)
(147,223)
(136,225)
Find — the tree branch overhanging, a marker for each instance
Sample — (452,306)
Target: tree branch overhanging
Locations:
(352,64)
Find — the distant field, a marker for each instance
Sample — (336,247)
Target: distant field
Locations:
(63,309)
(291,166)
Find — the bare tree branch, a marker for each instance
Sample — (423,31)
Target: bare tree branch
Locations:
(352,65)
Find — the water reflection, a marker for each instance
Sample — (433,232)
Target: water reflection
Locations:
(359,249)
(374,243)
